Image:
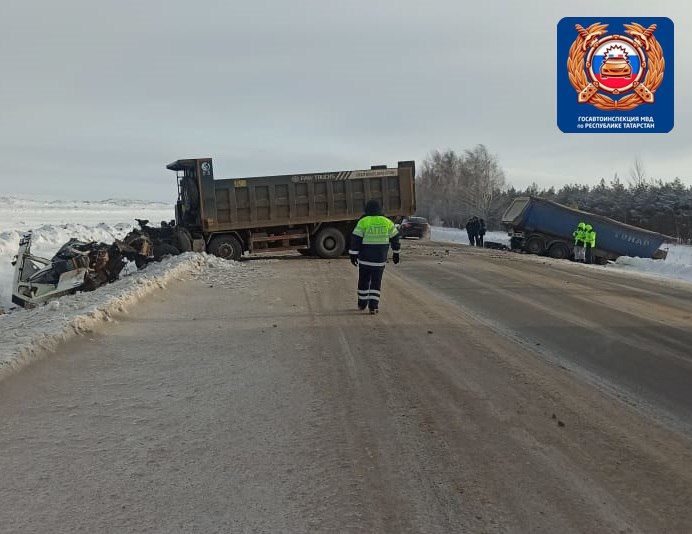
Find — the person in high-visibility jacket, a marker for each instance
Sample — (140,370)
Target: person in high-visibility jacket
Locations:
(589,242)
(370,243)
(579,242)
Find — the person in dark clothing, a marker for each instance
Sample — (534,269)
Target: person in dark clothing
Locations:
(481,233)
(370,243)
(472,230)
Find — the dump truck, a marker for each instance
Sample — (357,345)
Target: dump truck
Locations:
(313,213)
(540,226)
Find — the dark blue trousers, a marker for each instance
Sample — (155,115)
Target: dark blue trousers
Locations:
(369,283)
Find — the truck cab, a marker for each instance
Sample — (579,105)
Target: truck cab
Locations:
(189,207)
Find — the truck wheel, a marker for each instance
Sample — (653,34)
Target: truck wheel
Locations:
(559,251)
(535,245)
(329,242)
(226,246)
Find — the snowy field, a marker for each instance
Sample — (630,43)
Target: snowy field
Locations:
(677,266)
(55,222)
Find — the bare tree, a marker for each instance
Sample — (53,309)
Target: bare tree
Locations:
(453,187)
(637,177)
(484,179)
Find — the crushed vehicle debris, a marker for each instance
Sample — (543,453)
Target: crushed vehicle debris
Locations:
(85,266)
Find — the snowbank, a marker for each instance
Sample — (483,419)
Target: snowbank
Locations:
(455,235)
(678,264)
(55,222)
(27,333)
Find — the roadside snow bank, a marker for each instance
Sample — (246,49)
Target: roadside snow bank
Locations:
(25,334)
(456,235)
(678,264)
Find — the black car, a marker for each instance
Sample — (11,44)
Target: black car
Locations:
(415,227)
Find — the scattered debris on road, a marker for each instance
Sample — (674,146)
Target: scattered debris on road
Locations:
(495,246)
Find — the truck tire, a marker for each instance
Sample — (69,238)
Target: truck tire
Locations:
(559,251)
(535,244)
(329,243)
(227,247)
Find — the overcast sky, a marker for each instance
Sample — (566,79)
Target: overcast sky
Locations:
(97,97)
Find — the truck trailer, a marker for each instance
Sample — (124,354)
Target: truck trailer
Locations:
(313,213)
(540,226)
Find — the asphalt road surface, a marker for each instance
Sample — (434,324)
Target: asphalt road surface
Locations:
(493,393)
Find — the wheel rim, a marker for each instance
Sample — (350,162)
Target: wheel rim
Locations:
(329,243)
(534,246)
(558,252)
(225,251)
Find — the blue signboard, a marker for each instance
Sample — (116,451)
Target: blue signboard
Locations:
(615,75)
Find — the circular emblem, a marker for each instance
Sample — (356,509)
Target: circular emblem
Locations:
(206,167)
(611,71)
(616,64)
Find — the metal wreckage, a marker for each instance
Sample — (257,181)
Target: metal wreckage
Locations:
(85,266)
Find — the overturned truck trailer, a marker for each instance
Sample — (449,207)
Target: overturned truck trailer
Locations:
(312,213)
(540,226)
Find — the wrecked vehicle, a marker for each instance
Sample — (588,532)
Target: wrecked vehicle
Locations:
(85,266)
(77,266)
(167,239)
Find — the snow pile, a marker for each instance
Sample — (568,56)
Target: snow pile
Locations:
(456,235)
(56,222)
(678,264)
(25,334)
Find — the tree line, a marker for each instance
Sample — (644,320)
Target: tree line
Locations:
(452,187)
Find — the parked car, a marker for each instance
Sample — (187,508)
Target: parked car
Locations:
(415,227)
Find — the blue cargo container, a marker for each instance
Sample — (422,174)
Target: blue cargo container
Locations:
(541,226)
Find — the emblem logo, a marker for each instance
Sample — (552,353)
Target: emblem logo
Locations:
(622,72)
(602,65)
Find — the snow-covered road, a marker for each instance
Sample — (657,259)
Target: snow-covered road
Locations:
(261,400)
(25,334)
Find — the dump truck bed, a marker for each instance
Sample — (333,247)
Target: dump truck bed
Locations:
(298,199)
